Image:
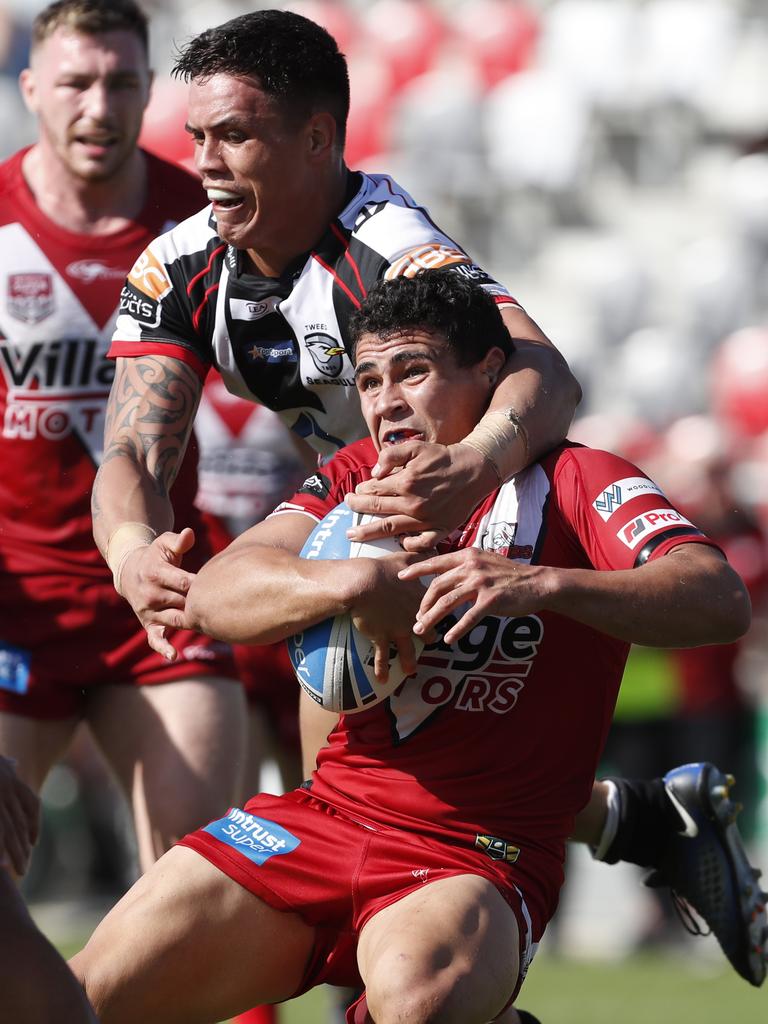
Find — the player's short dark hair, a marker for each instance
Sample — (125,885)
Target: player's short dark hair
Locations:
(294,60)
(91,17)
(442,301)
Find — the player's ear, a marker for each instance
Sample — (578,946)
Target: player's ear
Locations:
(27,87)
(321,133)
(492,363)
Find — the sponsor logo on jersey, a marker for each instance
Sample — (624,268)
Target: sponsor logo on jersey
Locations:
(426,257)
(250,309)
(14,668)
(148,276)
(273,352)
(315,484)
(368,211)
(614,496)
(498,849)
(135,304)
(327,353)
(95,270)
(258,839)
(500,538)
(422,874)
(636,530)
(30,296)
(472,272)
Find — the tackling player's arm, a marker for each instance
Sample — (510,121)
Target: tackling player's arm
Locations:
(149,417)
(258,590)
(428,490)
(688,597)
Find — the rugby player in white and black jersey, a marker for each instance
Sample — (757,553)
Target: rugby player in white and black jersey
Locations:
(261,285)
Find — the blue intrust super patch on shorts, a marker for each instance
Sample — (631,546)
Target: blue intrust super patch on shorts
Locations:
(14,668)
(256,838)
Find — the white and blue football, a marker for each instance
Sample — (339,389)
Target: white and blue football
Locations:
(332,660)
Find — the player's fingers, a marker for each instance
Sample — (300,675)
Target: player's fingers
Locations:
(381,660)
(424,541)
(176,544)
(395,457)
(169,579)
(158,642)
(407,651)
(433,566)
(394,525)
(439,603)
(465,625)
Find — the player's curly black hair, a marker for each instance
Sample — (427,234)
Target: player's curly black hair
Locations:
(294,60)
(443,301)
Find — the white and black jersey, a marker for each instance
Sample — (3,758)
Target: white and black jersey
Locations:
(283,341)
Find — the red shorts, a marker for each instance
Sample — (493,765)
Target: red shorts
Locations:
(299,854)
(61,634)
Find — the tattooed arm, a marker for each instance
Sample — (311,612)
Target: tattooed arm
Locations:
(149,417)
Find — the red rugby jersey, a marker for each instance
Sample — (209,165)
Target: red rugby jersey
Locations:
(59,293)
(500,735)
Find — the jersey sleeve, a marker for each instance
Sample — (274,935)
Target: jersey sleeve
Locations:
(166,296)
(619,516)
(325,489)
(393,225)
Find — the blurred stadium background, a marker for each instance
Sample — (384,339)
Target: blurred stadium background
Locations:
(607,160)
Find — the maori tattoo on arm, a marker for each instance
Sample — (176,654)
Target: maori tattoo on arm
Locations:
(149,417)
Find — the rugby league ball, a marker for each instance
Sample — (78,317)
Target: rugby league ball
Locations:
(332,660)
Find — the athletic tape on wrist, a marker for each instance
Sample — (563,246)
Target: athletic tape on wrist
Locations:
(122,541)
(494,438)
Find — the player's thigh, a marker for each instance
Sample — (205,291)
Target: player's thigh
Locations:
(447,952)
(315,723)
(178,748)
(188,945)
(35,744)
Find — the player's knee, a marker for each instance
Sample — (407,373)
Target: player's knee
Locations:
(426,1001)
(101,977)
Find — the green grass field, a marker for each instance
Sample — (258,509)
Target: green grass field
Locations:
(647,989)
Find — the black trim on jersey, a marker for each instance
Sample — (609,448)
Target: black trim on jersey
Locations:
(647,550)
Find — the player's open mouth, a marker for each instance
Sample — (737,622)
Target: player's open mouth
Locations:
(399,436)
(222,199)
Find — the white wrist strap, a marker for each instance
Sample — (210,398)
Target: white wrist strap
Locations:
(494,438)
(122,541)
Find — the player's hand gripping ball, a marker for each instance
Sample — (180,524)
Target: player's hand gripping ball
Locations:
(332,660)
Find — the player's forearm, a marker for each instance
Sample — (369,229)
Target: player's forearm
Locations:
(149,417)
(123,492)
(543,393)
(258,595)
(687,598)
